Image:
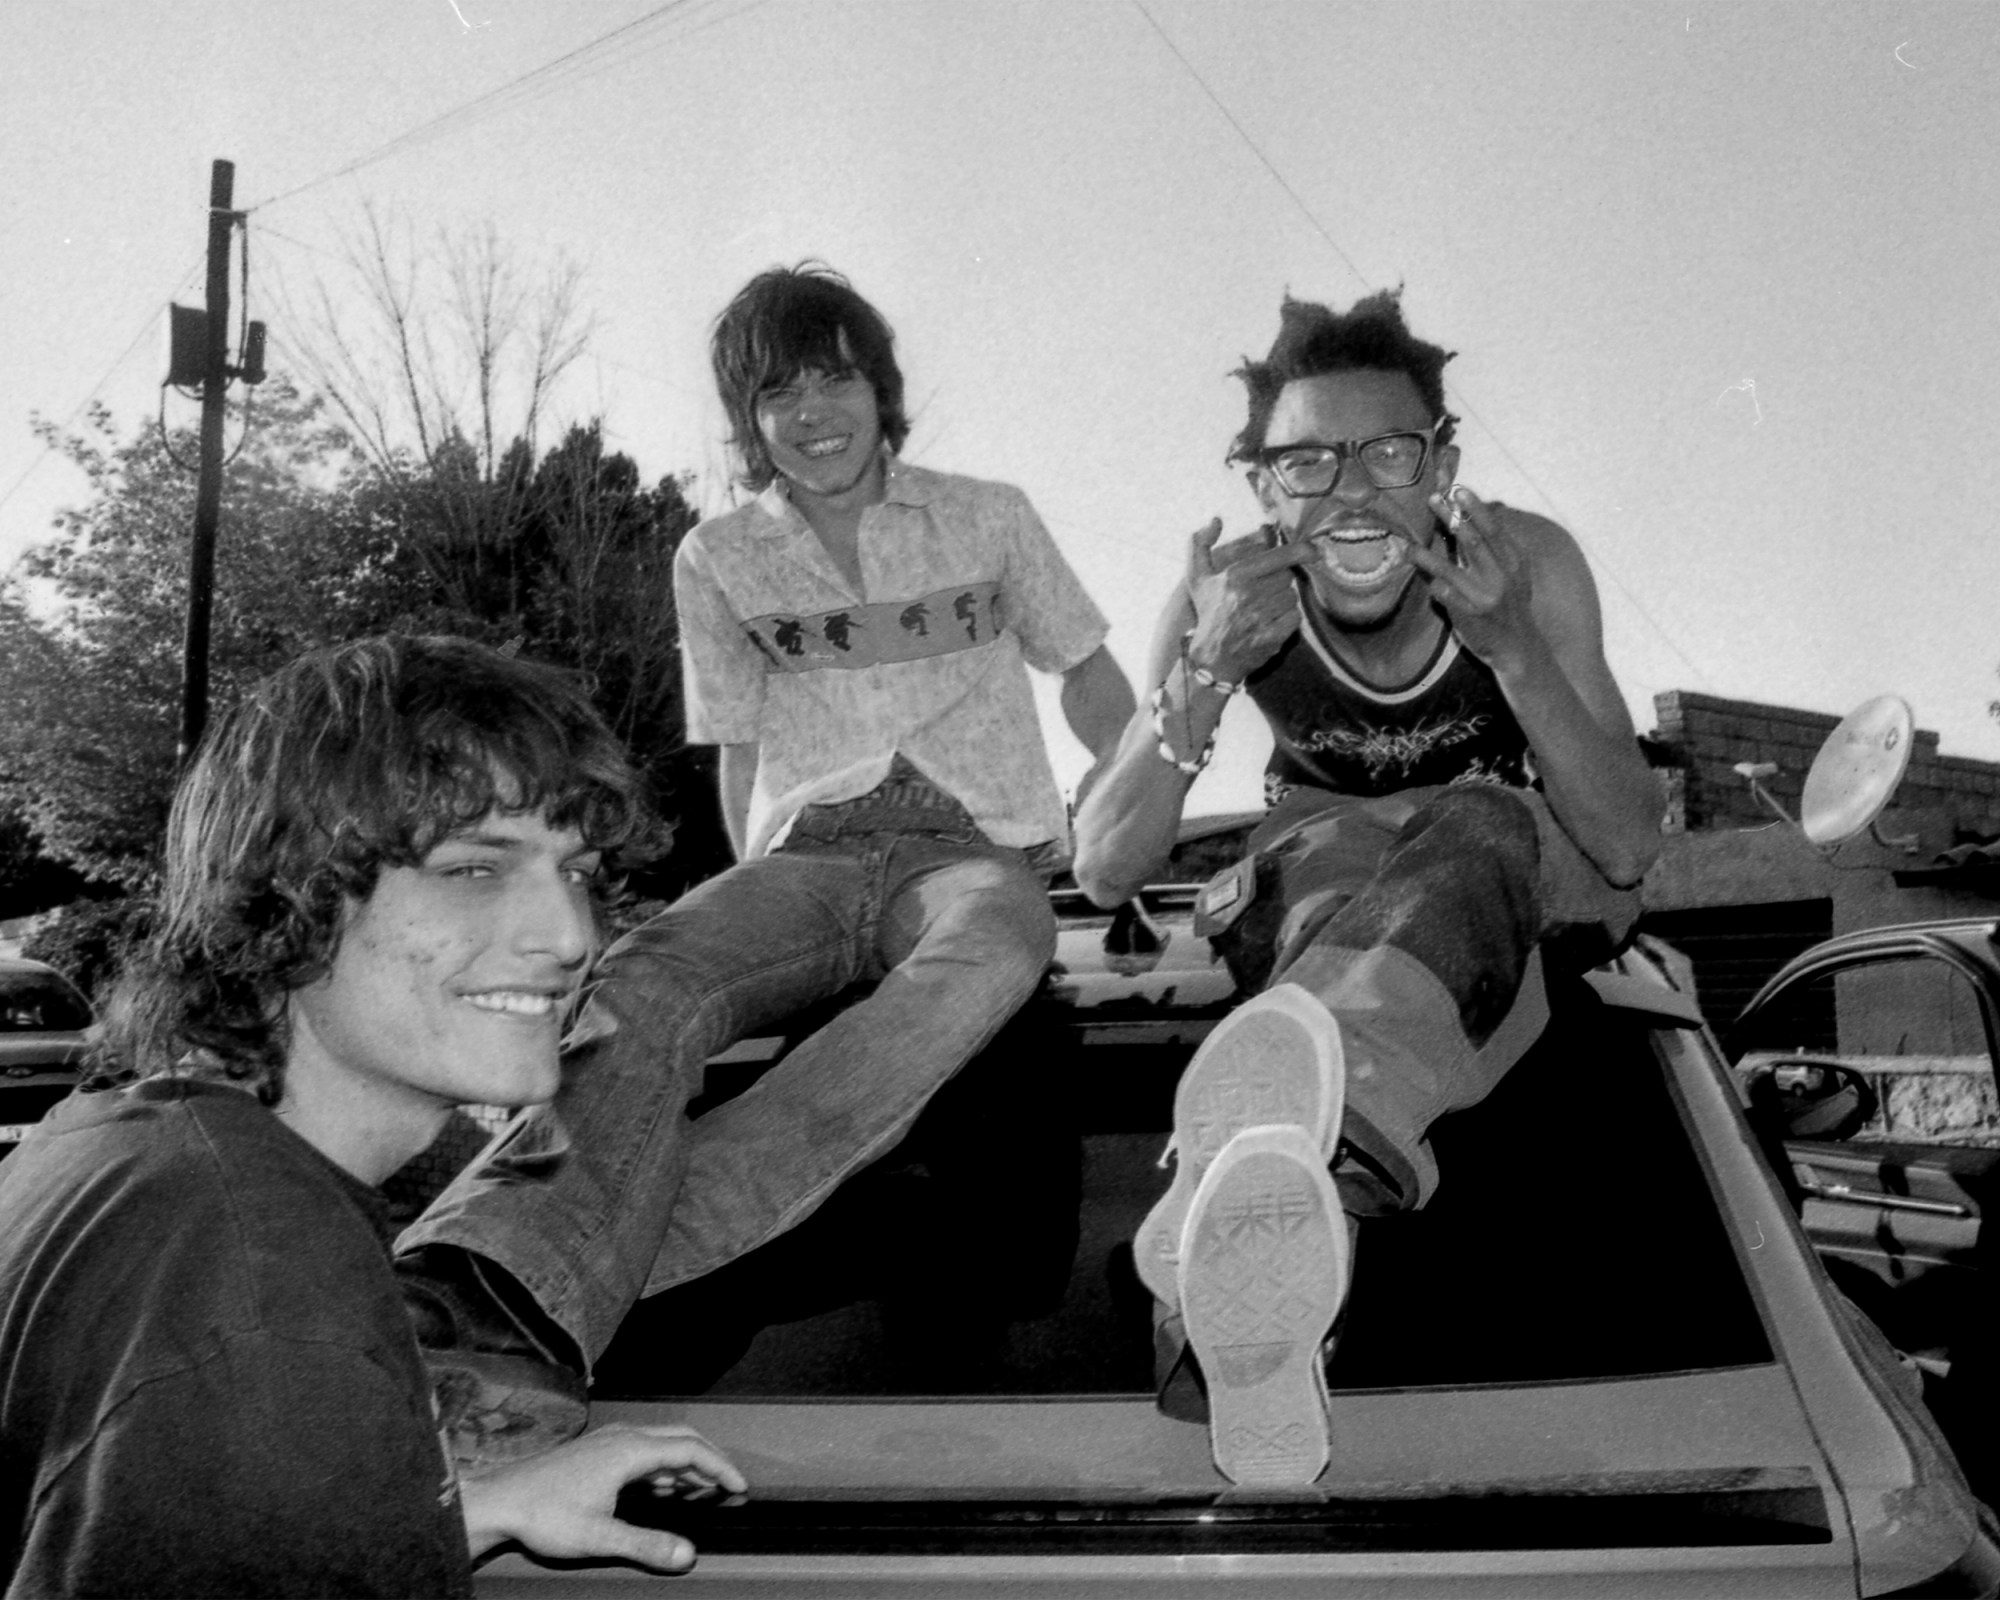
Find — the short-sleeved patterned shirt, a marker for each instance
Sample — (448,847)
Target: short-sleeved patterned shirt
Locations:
(961,585)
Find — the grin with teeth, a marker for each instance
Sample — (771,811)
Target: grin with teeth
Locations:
(824,447)
(1358,557)
(516,1002)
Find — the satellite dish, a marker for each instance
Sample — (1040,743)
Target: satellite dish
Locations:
(1857,770)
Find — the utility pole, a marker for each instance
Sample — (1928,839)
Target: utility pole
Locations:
(200,354)
(208,490)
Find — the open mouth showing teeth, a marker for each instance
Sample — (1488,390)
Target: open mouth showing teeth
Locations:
(1358,557)
(823,447)
(515,1002)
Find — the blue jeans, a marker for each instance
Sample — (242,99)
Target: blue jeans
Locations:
(610,1193)
(1421,920)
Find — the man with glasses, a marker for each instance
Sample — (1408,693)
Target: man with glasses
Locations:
(1456,793)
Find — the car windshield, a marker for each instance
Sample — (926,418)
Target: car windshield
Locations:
(40,1002)
(1562,1351)
(990,1255)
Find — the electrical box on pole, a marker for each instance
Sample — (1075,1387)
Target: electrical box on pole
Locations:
(187,346)
(252,370)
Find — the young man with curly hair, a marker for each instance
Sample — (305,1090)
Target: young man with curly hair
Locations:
(377,906)
(1456,793)
(857,638)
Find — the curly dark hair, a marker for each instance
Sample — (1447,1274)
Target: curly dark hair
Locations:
(789,320)
(350,759)
(1314,340)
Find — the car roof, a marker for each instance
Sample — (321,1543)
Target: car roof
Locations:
(1803,1425)
(27,967)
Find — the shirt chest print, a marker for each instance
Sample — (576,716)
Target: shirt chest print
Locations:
(1381,750)
(942,623)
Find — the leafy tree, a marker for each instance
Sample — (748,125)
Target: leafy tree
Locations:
(406,490)
(29,880)
(316,545)
(445,363)
(90,691)
(578,571)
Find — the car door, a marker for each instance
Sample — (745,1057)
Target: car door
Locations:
(1870,1074)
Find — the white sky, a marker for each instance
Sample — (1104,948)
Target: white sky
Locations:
(1722,275)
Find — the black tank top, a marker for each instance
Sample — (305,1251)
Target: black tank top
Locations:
(1334,730)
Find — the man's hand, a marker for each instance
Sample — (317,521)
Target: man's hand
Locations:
(1245,605)
(560,1503)
(1487,593)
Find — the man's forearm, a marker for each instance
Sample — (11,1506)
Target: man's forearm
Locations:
(736,776)
(1097,704)
(1127,826)
(1596,782)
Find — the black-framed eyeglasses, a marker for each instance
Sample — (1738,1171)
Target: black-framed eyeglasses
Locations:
(1308,469)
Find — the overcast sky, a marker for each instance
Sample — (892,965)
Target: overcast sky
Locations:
(1722,277)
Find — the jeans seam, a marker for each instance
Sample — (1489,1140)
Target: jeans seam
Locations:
(624,1175)
(857,1159)
(822,1185)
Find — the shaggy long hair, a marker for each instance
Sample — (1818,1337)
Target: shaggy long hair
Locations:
(348,760)
(790,320)
(1314,340)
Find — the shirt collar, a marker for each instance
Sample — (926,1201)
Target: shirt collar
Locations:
(902,485)
(906,485)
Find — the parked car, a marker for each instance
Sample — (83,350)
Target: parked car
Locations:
(1605,1360)
(1869,1065)
(42,1018)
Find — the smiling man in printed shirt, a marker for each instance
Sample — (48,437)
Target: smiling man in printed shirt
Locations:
(856,638)
(1456,793)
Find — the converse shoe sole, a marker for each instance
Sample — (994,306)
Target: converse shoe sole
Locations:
(1263,1271)
(1276,1058)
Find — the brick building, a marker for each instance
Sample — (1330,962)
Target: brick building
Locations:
(1740,891)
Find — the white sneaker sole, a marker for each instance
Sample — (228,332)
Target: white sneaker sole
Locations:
(1263,1270)
(1275,1059)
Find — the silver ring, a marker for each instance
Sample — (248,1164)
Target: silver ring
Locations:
(1456,518)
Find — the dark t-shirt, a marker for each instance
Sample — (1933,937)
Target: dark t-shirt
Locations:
(207,1382)
(1333,730)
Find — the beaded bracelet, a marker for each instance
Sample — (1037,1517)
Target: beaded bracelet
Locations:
(1202,675)
(1190,767)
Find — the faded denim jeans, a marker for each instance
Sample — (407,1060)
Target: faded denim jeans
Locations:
(1421,920)
(610,1193)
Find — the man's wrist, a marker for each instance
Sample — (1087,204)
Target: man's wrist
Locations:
(1207,669)
(1185,717)
(1187,762)
(1206,675)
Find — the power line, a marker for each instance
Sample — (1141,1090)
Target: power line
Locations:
(1457,394)
(1251,145)
(270,232)
(146,327)
(1631,599)
(519,91)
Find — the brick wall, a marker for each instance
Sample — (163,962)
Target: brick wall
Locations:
(1709,735)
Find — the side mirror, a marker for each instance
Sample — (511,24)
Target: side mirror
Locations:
(1805,1097)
